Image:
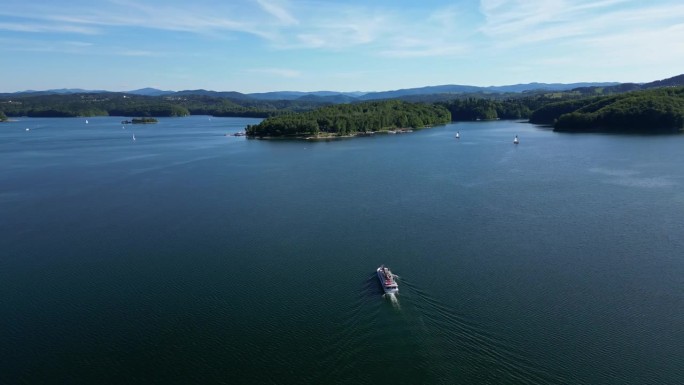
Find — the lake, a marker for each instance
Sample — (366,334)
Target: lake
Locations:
(187,256)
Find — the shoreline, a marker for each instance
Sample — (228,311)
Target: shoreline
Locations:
(335,136)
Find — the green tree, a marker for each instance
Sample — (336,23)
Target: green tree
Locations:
(345,119)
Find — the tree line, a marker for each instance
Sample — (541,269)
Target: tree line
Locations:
(462,107)
(650,111)
(118,104)
(467,109)
(349,119)
(653,110)
(99,104)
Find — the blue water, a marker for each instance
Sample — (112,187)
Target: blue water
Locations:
(188,256)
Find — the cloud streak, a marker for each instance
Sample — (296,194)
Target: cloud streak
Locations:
(194,18)
(524,22)
(279,72)
(48,28)
(278,11)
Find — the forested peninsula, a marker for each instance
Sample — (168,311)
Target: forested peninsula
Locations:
(352,119)
(652,111)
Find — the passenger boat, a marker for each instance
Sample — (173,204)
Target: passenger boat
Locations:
(389,285)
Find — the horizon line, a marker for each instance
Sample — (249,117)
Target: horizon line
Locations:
(319,90)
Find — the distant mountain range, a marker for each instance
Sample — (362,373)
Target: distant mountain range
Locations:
(347,97)
(626,87)
(58,91)
(150,92)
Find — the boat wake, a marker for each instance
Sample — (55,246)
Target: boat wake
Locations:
(452,341)
(393,299)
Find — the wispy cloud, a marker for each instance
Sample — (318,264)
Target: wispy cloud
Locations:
(442,34)
(280,72)
(48,28)
(336,29)
(281,24)
(388,32)
(512,16)
(609,38)
(74,47)
(422,51)
(192,17)
(139,53)
(519,22)
(32,44)
(78,43)
(651,46)
(279,11)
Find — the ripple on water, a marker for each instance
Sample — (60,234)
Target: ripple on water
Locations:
(459,349)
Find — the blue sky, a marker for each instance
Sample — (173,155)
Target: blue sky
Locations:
(368,45)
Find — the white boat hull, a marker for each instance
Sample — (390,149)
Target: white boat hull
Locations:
(389,286)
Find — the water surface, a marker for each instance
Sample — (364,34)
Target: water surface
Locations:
(188,256)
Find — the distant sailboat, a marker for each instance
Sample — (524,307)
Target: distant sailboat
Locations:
(28,129)
(86,121)
(515,140)
(458,136)
(133,137)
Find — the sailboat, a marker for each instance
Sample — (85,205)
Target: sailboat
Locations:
(458,135)
(86,121)
(133,137)
(515,140)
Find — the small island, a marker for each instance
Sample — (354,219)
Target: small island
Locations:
(347,120)
(144,121)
